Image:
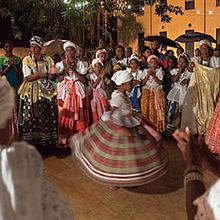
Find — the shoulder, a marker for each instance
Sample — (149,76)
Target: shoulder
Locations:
(215,62)
(27,60)
(173,72)
(50,60)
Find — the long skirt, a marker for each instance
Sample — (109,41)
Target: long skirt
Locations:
(120,156)
(173,116)
(39,129)
(213,132)
(153,106)
(74,114)
(99,104)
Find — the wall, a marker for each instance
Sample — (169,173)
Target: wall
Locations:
(180,24)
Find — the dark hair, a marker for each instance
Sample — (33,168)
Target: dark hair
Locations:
(180,48)
(120,46)
(144,48)
(168,51)
(197,49)
(174,59)
(8,42)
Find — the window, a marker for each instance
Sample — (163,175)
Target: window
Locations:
(189,4)
(190,46)
(217,2)
(163,33)
(218,35)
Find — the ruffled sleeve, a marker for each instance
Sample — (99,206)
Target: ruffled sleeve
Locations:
(160,74)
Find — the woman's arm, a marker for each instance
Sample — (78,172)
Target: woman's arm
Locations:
(149,73)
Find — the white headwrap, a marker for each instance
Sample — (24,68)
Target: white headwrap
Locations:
(7,103)
(69,44)
(95,61)
(37,40)
(205,42)
(134,56)
(122,76)
(185,55)
(98,52)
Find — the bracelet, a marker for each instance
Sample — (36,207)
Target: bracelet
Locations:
(193,176)
(193,168)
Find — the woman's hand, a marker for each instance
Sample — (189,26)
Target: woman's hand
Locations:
(189,147)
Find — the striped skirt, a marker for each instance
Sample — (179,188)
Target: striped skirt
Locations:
(120,156)
(213,132)
(153,106)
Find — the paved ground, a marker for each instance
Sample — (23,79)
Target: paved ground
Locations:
(161,200)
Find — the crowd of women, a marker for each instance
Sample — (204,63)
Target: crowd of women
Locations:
(112,109)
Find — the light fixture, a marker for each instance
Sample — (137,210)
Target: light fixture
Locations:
(142,8)
(65,1)
(129,7)
(197,12)
(210,12)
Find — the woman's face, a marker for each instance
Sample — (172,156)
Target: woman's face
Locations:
(128,86)
(170,54)
(133,64)
(153,63)
(102,56)
(120,53)
(36,50)
(183,63)
(147,53)
(171,63)
(70,52)
(205,51)
(8,47)
(97,68)
(81,52)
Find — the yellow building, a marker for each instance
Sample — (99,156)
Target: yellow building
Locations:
(199,15)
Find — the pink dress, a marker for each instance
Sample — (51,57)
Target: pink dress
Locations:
(99,103)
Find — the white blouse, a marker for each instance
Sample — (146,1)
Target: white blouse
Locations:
(136,75)
(94,77)
(25,193)
(185,75)
(151,83)
(123,62)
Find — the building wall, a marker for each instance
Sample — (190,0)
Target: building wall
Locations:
(191,20)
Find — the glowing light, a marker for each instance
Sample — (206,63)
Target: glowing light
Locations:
(198,12)
(210,12)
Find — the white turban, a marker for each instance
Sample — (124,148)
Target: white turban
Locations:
(37,40)
(122,76)
(95,61)
(98,52)
(205,42)
(69,44)
(134,57)
(7,103)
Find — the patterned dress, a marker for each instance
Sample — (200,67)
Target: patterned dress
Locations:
(153,100)
(175,99)
(120,150)
(73,104)
(38,111)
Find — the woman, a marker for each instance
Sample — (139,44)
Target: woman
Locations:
(136,73)
(202,90)
(176,96)
(38,102)
(201,204)
(25,192)
(12,69)
(99,84)
(153,99)
(121,149)
(73,100)
(145,52)
(120,57)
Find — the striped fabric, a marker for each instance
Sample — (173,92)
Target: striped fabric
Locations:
(213,132)
(119,156)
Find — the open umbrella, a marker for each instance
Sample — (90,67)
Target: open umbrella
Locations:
(194,37)
(163,40)
(54,46)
